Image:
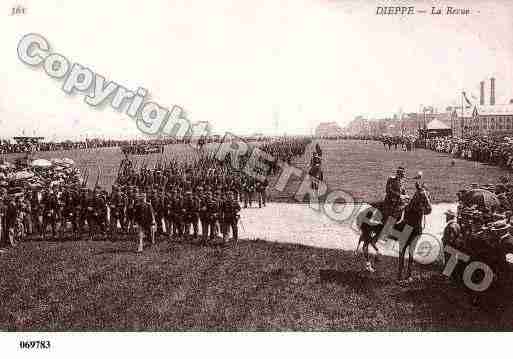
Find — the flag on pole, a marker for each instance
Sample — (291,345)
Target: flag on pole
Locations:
(466,99)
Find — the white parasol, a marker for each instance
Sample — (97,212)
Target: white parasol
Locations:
(40,162)
(6,165)
(68,161)
(22,175)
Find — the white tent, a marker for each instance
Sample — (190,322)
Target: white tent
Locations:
(437,125)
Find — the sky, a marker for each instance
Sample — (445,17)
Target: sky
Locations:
(251,66)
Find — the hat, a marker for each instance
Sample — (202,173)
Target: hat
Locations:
(498,217)
(401,169)
(505,237)
(467,212)
(500,226)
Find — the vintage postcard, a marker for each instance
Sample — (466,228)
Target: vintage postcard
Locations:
(171,166)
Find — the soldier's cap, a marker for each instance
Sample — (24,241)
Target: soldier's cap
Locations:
(450,213)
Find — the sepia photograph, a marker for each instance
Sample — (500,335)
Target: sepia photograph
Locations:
(296,166)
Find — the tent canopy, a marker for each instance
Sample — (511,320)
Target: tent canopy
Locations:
(437,125)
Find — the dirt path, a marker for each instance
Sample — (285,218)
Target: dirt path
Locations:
(297,223)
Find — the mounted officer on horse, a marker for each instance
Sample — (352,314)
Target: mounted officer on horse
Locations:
(401,219)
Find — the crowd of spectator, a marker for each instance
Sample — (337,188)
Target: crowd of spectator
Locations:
(8,146)
(495,151)
(28,145)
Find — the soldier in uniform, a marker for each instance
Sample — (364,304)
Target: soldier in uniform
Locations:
(316,159)
(169,214)
(230,209)
(395,195)
(27,215)
(316,177)
(156,203)
(145,219)
(161,214)
(191,206)
(37,213)
(203,214)
(67,209)
(3,199)
(452,231)
(100,211)
(76,204)
(22,214)
(11,216)
(248,188)
(130,209)
(51,212)
(261,187)
(178,211)
(118,204)
(212,204)
(82,208)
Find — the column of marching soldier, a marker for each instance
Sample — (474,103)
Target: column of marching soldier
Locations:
(195,200)
(200,213)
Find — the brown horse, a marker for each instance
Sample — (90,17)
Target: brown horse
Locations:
(418,206)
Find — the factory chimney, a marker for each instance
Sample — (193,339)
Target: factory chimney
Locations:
(492,91)
(481,93)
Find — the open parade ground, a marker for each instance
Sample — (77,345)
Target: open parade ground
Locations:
(314,282)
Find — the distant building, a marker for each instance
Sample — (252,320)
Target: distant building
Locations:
(406,124)
(328,129)
(483,120)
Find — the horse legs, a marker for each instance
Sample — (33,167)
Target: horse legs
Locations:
(373,244)
(402,252)
(368,264)
(360,240)
(411,250)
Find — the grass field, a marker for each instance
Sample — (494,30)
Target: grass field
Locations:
(361,169)
(358,168)
(253,285)
(249,286)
